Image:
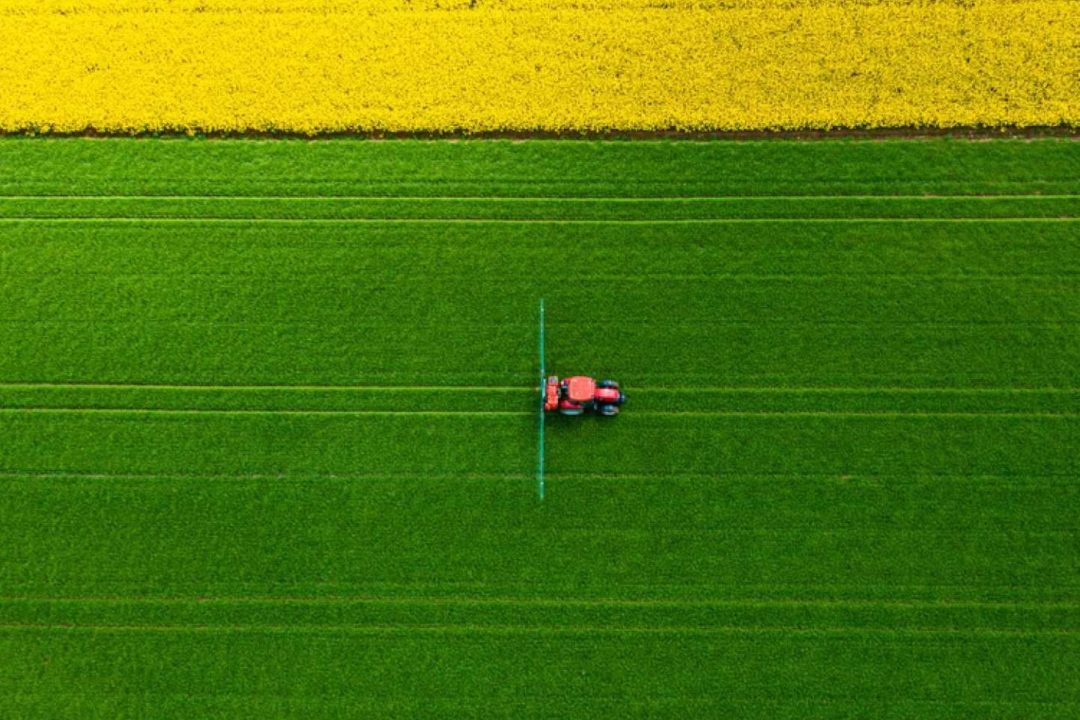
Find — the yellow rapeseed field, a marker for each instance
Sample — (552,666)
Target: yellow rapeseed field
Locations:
(419,65)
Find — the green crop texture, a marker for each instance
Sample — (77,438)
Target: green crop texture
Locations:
(268,429)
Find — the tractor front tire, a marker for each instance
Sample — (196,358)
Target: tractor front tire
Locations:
(607,384)
(608,410)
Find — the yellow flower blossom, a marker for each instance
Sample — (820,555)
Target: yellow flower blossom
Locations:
(429,65)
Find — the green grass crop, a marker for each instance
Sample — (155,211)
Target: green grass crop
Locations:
(267,426)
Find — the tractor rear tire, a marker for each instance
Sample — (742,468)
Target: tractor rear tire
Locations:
(571,412)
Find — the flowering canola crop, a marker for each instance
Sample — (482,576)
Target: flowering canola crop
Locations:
(428,65)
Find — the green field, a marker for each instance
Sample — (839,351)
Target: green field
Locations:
(267,429)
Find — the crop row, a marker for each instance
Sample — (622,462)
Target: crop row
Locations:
(544,616)
(203,442)
(820,304)
(292,673)
(538,168)
(975,541)
(537,65)
(522,398)
(268,210)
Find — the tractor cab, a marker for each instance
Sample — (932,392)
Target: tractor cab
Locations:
(579,389)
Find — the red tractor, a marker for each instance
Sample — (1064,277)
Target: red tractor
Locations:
(579,394)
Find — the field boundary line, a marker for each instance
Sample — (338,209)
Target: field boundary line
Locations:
(493,629)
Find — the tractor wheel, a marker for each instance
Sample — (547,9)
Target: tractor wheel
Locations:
(607,384)
(608,410)
(571,411)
